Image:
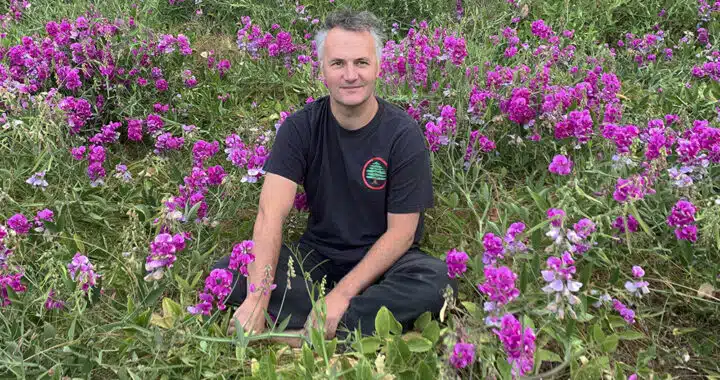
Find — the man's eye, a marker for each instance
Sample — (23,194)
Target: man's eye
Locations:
(336,63)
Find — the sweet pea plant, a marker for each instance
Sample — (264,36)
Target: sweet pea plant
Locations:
(575,166)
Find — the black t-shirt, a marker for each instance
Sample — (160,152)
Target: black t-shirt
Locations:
(353,178)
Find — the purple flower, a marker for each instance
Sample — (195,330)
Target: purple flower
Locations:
(135,129)
(624,311)
(632,224)
(463,355)
(19,224)
(301,202)
(82,271)
(519,345)
(162,254)
(161,85)
(560,165)
(683,213)
(216,174)
(203,150)
(557,216)
(53,304)
(456,263)
(13,282)
(688,233)
(241,256)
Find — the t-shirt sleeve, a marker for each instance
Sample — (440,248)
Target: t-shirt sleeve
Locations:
(288,155)
(410,176)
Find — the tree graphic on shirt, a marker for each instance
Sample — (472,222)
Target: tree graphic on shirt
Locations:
(375,172)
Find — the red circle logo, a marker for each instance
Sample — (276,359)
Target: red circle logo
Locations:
(374,173)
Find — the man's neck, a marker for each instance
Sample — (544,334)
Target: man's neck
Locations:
(354,118)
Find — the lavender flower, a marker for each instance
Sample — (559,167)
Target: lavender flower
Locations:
(51,303)
(637,288)
(499,286)
(38,180)
(162,254)
(561,284)
(82,271)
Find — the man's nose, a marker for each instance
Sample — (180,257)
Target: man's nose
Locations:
(350,73)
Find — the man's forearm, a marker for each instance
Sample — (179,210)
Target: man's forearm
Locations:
(267,237)
(382,255)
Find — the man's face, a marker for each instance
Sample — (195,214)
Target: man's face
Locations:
(350,66)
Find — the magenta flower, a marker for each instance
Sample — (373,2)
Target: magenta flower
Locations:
(560,165)
(637,271)
(463,355)
(519,345)
(78,153)
(493,248)
(13,282)
(216,174)
(301,202)
(19,224)
(241,256)
(499,285)
(456,263)
(218,285)
(683,213)
(632,224)
(557,217)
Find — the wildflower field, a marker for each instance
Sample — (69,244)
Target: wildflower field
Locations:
(575,153)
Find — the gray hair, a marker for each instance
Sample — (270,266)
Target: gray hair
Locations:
(353,21)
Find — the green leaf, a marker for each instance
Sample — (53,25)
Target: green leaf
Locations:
(597,333)
(630,335)
(418,344)
(78,243)
(49,331)
(385,323)
(425,372)
(172,308)
(308,360)
(432,332)
(154,295)
(368,344)
(543,355)
(640,220)
(470,307)
(610,343)
(423,321)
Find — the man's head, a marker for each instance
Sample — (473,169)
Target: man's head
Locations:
(349,47)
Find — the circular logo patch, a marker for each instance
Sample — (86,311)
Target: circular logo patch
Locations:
(374,173)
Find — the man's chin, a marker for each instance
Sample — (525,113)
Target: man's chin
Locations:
(351,102)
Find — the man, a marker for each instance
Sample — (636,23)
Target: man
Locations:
(366,171)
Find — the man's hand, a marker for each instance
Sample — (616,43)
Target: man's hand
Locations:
(335,306)
(250,315)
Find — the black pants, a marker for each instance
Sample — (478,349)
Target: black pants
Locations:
(414,284)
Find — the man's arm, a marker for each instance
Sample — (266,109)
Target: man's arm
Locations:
(392,244)
(276,200)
